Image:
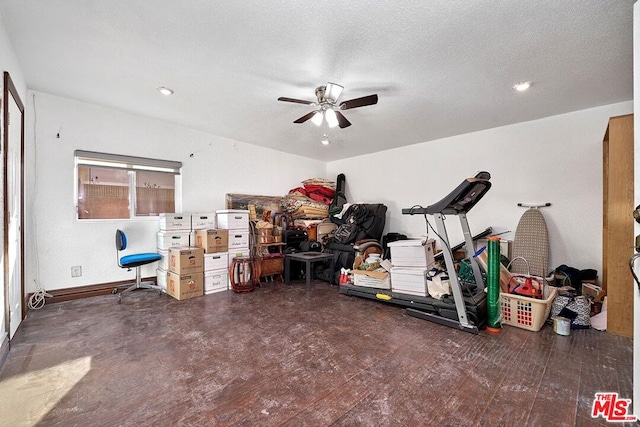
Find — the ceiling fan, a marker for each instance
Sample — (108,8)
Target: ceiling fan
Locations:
(328,102)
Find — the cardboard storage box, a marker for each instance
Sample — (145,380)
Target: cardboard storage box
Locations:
(174,221)
(161,278)
(216,261)
(216,281)
(164,260)
(233,219)
(412,253)
(186,260)
(212,240)
(592,291)
(201,221)
(370,279)
(238,239)
(172,239)
(239,253)
(185,286)
(412,281)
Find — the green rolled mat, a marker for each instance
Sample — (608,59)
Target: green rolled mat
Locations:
(493,284)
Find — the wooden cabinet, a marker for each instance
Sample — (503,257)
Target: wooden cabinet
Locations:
(270,260)
(617,227)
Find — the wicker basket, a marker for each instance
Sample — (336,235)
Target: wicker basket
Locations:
(524,312)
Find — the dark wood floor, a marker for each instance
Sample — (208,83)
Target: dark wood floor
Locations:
(285,356)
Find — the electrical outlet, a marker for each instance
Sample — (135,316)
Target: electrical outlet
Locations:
(76,271)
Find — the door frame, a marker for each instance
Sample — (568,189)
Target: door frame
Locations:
(10,89)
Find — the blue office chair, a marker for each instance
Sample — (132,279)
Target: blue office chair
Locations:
(135,260)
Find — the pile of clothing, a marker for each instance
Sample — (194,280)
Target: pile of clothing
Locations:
(310,202)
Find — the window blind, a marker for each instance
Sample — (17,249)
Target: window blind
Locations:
(117,161)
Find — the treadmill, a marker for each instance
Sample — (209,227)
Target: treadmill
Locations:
(466,308)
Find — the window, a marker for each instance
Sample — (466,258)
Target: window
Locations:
(111,186)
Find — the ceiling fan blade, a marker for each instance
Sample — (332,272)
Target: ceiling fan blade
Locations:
(359,102)
(297,101)
(305,117)
(342,120)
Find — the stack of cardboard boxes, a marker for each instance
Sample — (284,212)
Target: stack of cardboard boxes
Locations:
(236,221)
(175,231)
(411,260)
(194,255)
(215,243)
(185,278)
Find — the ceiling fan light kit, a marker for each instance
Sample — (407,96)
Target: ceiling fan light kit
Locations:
(327,99)
(317,118)
(332,91)
(331,118)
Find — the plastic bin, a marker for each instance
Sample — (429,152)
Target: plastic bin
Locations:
(524,312)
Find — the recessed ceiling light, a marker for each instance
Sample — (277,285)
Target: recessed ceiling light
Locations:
(522,86)
(325,140)
(165,91)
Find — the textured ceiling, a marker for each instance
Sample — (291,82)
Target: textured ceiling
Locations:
(440,67)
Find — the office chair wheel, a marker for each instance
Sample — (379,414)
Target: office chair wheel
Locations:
(114,291)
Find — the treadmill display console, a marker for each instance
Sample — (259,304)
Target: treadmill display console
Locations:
(460,200)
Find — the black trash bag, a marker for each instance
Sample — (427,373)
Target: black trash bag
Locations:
(346,233)
(572,277)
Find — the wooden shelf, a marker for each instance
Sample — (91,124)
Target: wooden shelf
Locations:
(617,227)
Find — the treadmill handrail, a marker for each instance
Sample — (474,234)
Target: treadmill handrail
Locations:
(460,200)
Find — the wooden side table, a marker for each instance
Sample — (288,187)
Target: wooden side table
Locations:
(308,258)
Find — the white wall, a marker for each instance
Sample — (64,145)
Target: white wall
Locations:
(55,241)
(9,62)
(556,159)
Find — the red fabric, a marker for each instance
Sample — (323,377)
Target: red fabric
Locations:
(320,198)
(300,190)
(314,188)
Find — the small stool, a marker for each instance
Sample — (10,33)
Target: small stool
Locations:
(308,258)
(242,275)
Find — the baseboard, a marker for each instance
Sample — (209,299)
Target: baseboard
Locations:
(4,349)
(68,294)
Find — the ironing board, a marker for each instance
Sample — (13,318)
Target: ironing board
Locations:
(531,242)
